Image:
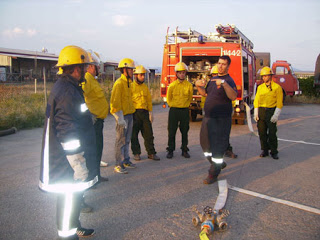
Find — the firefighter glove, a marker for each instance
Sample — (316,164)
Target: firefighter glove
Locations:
(275,116)
(256,115)
(120,119)
(78,164)
(151,116)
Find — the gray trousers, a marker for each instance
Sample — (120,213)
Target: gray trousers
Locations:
(123,138)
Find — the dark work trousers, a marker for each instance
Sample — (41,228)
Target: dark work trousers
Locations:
(267,130)
(219,133)
(141,122)
(204,140)
(217,130)
(68,214)
(98,127)
(178,117)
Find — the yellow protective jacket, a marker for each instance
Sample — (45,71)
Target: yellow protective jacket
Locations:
(121,96)
(179,94)
(94,97)
(141,96)
(269,98)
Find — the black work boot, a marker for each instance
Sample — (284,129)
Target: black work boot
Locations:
(223,165)
(230,154)
(275,156)
(264,153)
(170,154)
(212,176)
(185,154)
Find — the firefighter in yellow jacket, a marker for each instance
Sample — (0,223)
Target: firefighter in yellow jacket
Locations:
(179,97)
(97,104)
(121,107)
(267,107)
(143,117)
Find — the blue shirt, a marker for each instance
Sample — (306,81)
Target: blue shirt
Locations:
(217,103)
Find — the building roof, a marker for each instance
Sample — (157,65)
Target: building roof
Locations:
(28,54)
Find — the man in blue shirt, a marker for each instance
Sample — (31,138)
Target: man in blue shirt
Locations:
(216,125)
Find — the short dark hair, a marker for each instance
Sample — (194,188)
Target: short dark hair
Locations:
(225,57)
(69,69)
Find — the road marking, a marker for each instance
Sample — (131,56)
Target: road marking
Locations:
(317,144)
(277,200)
(280,139)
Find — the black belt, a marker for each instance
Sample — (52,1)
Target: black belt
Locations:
(178,108)
(141,110)
(268,108)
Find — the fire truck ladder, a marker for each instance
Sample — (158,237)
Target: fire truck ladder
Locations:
(171,56)
(232,34)
(189,36)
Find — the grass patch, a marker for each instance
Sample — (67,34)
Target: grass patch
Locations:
(22,108)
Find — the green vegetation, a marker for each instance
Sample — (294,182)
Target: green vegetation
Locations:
(22,108)
(309,93)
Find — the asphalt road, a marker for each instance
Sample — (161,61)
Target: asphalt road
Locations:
(156,200)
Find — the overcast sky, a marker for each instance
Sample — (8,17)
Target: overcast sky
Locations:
(288,29)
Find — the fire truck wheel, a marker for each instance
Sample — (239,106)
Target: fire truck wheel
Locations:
(193,116)
(284,95)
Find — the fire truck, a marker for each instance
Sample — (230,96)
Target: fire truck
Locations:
(283,74)
(201,52)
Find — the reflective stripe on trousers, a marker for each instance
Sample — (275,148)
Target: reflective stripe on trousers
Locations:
(68,213)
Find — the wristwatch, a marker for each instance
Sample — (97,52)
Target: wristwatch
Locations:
(222,81)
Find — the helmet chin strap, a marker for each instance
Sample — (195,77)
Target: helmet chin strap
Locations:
(82,72)
(138,81)
(128,77)
(179,78)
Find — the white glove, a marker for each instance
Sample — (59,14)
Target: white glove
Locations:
(120,119)
(275,115)
(151,116)
(78,164)
(256,115)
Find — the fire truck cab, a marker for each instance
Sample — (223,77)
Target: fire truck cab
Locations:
(200,53)
(283,74)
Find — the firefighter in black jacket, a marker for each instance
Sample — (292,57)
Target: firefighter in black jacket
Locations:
(68,149)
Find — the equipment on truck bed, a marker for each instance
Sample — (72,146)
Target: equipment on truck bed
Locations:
(201,52)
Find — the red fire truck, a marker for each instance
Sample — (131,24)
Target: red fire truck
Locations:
(200,52)
(283,74)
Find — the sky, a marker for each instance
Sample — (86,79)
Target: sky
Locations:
(116,29)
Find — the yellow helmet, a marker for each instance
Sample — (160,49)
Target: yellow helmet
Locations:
(93,57)
(266,71)
(214,70)
(139,69)
(72,55)
(180,66)
(126,63)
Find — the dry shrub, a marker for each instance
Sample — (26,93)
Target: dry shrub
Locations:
(22,108)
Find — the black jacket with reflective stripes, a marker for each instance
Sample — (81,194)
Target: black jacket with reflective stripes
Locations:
(67,119)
